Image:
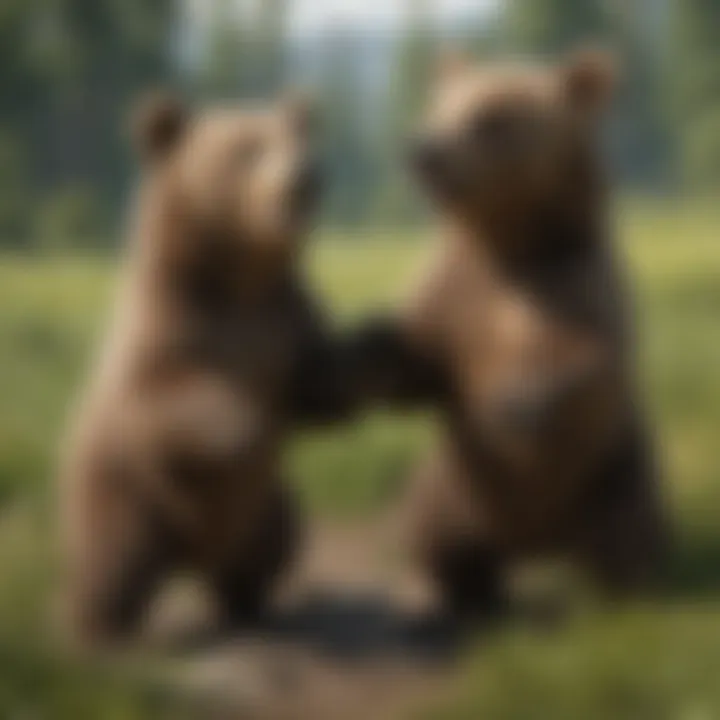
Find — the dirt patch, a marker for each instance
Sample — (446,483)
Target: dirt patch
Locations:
(352,636)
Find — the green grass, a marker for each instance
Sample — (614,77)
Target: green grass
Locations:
(647,664)
(660,662)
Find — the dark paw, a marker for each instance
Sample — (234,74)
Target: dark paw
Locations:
(244,612)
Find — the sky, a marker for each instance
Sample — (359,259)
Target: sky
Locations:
(311,15)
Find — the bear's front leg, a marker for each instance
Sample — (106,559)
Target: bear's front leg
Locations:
(388,367)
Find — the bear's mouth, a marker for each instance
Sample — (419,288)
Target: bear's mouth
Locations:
(305,195)
(436,170)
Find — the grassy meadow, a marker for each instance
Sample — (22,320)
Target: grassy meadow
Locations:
(640,663)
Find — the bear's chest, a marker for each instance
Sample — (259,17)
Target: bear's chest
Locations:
(534,376)
(255,349)
(503,340)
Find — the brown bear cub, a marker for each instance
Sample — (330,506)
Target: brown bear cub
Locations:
(214,351)
(519,334)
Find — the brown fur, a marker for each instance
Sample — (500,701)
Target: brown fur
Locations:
(174,458)
(520,333)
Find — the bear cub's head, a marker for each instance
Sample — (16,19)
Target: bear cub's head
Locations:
(509,138)
(245,177)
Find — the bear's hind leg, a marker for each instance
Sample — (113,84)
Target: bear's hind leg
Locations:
(242,588)
(112,582)
(469,578)
(452,543)
(625,542)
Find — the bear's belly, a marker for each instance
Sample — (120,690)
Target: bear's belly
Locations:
(220,461)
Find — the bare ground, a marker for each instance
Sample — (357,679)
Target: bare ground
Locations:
(350,639)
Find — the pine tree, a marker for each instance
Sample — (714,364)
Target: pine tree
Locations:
(695,73)
(70,70)
(641,139)
(223,74)
(550,26)
(344,130)
(268,46)
(407,95)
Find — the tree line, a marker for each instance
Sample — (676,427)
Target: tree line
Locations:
(69,70)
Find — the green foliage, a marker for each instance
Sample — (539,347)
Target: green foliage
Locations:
(72,67)
(244,56)
(321,460)
(15,193)
(701,150)
(650,664)
(69,70)
(410,81)
(71,218)
(345,145)
(552,26)
(695,80)
(223,70)
(268,42)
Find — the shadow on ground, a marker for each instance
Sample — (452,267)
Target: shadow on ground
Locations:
(346,627)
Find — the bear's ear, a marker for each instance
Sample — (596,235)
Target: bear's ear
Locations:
(451,62)
(589,77)
(157,123)
(300,109)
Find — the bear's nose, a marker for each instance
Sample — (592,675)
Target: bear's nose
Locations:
(427,156)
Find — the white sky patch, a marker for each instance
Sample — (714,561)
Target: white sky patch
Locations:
(312,15)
